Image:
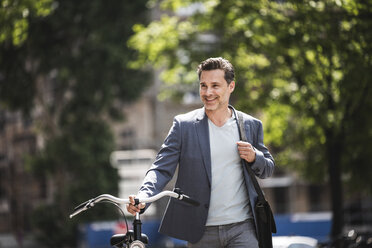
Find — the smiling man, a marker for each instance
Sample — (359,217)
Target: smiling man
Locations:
(206,147)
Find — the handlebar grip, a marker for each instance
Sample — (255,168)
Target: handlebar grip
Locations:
(82,207)
(189,200)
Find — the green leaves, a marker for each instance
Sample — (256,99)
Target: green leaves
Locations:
(160,37)
(299,63)
(65,64)
(14,18)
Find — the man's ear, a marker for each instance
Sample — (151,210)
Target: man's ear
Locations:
(232,86)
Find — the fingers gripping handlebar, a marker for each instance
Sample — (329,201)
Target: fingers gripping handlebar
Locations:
(177,193)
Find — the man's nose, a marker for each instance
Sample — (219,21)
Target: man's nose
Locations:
(208,91)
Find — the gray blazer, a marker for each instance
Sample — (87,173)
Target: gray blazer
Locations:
(187,145)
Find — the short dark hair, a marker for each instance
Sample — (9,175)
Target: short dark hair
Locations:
(217,63)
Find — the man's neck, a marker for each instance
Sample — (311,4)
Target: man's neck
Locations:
(219,116)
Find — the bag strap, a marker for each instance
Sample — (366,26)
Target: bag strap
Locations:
(243,137)
(260,196)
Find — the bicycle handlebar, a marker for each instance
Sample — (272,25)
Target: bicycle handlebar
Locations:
(106,197)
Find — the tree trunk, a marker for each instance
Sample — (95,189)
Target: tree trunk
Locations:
(334,148)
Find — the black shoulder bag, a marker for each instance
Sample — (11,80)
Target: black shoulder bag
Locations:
(265,223)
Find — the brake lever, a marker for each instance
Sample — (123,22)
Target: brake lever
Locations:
(82,207)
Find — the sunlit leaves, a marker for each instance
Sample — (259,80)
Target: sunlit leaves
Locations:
(349,5)
(19,34)
(14,18)
(157,39)
(179,74)
(276,119)
(174,5)
(251,59)
(302,62)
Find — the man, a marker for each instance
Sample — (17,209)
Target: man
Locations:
(205,144)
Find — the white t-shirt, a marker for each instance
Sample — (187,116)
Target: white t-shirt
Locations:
(229,197)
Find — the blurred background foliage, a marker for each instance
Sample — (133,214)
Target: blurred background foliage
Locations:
(65,63)
(303,66)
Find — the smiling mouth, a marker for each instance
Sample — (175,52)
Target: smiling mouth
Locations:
(210,100)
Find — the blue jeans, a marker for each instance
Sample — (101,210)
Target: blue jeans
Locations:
(236,235)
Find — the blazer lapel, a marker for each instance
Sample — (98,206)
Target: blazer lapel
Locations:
(202,130)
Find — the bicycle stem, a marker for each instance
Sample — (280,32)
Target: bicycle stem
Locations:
(137,227)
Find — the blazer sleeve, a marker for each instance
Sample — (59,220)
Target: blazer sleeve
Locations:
(264,164)
(165,164)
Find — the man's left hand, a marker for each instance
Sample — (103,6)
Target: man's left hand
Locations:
(246,151)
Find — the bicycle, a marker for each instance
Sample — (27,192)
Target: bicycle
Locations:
(133,238)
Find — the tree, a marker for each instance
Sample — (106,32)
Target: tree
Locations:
(14,18)
(305,64)
(69,74)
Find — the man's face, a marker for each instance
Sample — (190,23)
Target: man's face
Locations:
(214,90)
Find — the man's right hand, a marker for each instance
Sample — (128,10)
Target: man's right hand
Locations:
(131,208)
